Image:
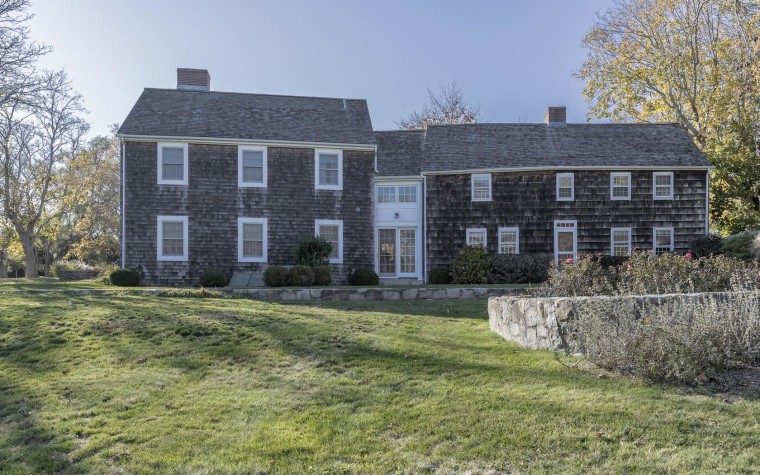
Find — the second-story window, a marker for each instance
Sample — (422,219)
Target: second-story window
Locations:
(328,169)
(663,185)
(620,186)
(252,167)
(172,163)
(481,187)
(407,194)
(565,187)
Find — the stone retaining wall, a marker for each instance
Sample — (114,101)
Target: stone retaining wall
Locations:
(73,275)
(377,293)
(552,323)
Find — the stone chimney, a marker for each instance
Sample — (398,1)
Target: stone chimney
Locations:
(193,79)
(556,116)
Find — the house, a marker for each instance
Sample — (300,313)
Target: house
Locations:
(232,182)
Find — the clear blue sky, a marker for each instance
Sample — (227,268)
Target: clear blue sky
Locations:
(512,57)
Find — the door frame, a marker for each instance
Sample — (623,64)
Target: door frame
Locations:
(397,252)
(573,229)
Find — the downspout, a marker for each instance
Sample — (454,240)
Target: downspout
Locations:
(123,205)
(424,230)
(707,202)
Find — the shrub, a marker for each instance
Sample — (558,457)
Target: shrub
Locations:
(125,277)
(72,266)
(470,266)
(322,276)
(582,276)
(301,276)
(706,246)
(684,342)
(739,247)
(276,276)
(519,268)
(213,278)
(611,261)
(313,251)
(363,277)
(439,275)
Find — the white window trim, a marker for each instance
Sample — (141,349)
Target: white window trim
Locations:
(160,158)
(612,239)
(557,228)
(672,238)
(613,175)
(332,222)
(485,236)
(264,245)
(654,185)
(472,186)
(517,238)
(572,186)
(331,151)
(250,184)
(160,238)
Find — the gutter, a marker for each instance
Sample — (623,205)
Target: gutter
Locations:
(239,141)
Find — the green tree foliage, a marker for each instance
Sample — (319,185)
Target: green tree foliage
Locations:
(694,62)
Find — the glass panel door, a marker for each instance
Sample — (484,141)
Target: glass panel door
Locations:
(565,240)
(407,251)
(386,239)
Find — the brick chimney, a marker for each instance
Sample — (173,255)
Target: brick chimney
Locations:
(193,79)
(556,116)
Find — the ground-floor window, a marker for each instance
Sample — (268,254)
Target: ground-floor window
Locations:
(621,241)
(331,231)
(509,240)
(565,240)
(252,239)
(663,240)
(172,238)
(477,237)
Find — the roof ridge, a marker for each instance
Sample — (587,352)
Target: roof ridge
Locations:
(584,124)
(251,94)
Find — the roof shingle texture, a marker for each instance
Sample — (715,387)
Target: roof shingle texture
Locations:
(212,114)
(399,152)
(503,146)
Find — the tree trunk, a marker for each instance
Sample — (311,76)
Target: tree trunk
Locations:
(31,256)
(48,259)
(3,263)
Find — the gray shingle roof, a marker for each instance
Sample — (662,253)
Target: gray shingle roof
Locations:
(495,146)
(399,152)
(212,114)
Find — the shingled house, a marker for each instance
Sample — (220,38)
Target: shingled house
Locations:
(227,181)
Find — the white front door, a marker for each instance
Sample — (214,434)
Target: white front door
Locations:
(398,225)
(565,240)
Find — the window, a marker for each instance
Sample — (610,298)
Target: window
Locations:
(328,169)
(481,187)
(172,164)
(663,185)
(407,194)
(172,238)
(565,186)
(386,194)
(252,167)
(332,231)
(509,241)
(620,186)
(621,241)
(565,240)
(663,240)
(477,237)
(252,239)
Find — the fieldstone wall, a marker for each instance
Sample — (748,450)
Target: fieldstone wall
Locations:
(72,275)
(552,323)
(376,293)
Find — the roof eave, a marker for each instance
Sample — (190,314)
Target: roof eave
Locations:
(240,141)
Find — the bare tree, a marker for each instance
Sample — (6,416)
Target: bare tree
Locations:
(18,53)
(445,107)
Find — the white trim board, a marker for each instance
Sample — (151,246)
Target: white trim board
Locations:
(468,171)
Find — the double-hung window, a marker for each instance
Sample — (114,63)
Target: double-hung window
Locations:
(565,186)
(663,240)
(172,163)
(332,232)
(620,186)
(620,241)
(662,185)
(477,237)
(509,240)
(252,239)
(252,167)
(328,169)
(172,238)
(481,187)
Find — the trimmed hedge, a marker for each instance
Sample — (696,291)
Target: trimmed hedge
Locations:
(125,277)
(706,246)
(276,276)
(739,247)
(213,278)
(470,266)
(322,276)
(439,275)
(519,268)
(363,277)
(301,276)
(313,251)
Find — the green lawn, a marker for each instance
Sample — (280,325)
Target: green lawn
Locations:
(51,284)
(136,384)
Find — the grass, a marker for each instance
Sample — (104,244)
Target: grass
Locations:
(51,284)
(138,384)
